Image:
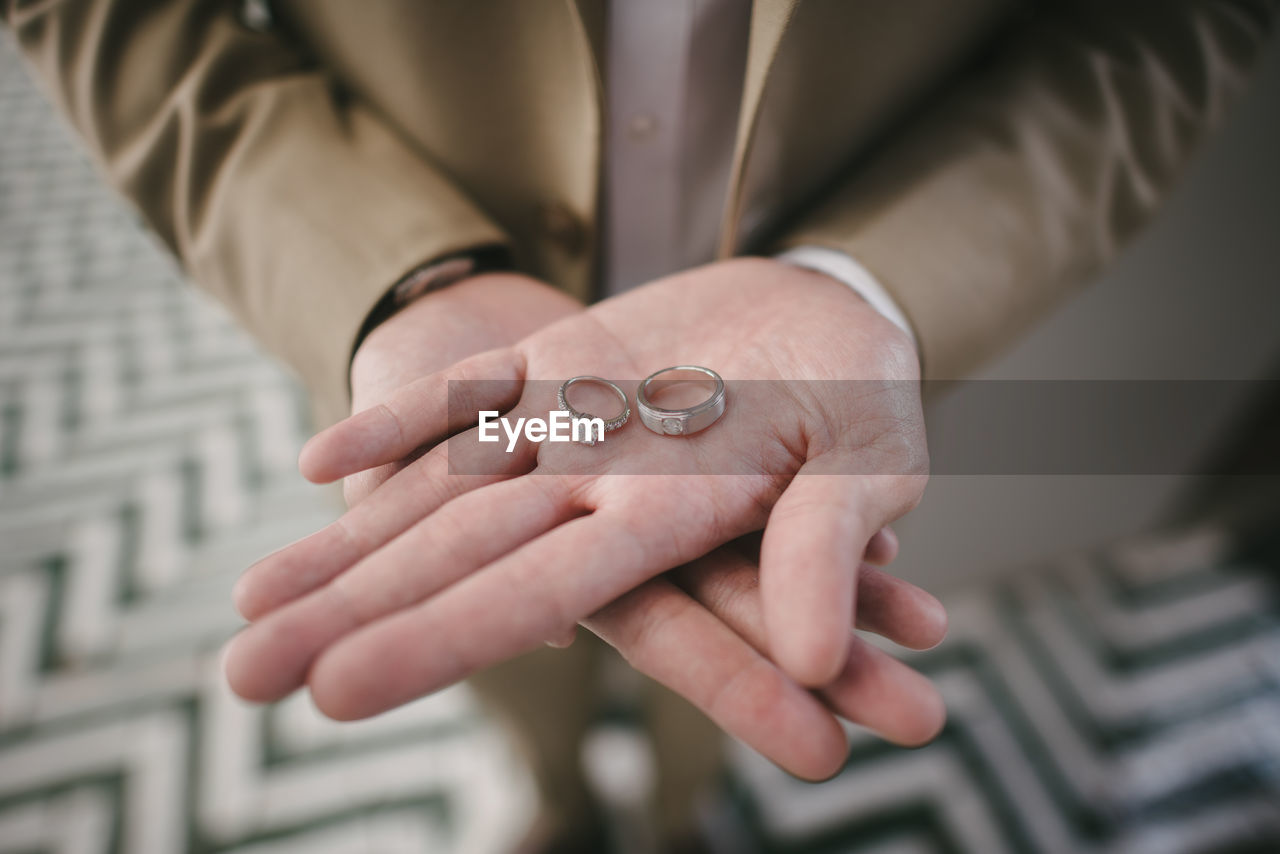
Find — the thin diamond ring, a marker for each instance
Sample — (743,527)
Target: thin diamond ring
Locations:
(562,400)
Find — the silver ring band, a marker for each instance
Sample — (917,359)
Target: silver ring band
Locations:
(680,422)
(562,400)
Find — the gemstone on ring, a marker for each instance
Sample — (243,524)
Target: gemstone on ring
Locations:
(677,421)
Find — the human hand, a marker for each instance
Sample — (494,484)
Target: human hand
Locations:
(699,631)
(345,634)
(479,313)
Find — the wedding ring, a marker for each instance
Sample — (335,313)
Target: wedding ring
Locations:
(562,400)
(680,422)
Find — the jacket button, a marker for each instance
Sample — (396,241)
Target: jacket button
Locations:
(562,228)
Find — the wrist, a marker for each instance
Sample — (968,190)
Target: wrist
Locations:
(428,277)
(835,306)
(846,270)
(480,312)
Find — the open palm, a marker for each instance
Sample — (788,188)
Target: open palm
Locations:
(551,534)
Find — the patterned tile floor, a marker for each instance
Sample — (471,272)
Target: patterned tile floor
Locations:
(1120,702)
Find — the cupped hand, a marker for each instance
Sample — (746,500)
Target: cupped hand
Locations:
(496,567)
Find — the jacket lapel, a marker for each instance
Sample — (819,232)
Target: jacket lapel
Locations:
(591,16)
(769,22)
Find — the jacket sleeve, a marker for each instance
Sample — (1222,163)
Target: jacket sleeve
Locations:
(1022,181)
(294,205)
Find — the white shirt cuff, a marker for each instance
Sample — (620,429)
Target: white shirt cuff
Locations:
(843,268)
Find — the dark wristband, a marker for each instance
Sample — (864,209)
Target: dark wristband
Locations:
(431,276)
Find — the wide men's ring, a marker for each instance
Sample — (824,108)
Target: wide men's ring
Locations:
(562,400)
(680,422)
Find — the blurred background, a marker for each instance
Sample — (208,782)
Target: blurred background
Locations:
(1112,673)
(1196,297)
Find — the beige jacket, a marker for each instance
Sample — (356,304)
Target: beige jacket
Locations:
(978,156)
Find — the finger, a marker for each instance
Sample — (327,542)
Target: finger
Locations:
(657,626)
(509,607)
(409,496)
(882,550)
(357,487)
(873,688)
(729,584)
(813,544)
(563,640)
(270,658)
(424,412)
(879,692)
(898,610)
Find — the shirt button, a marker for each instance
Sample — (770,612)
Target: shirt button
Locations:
(642,126)
(256,15)
(562,228)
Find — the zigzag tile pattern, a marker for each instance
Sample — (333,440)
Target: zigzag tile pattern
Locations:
(1121,702)
(1125,702)
(147,455)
